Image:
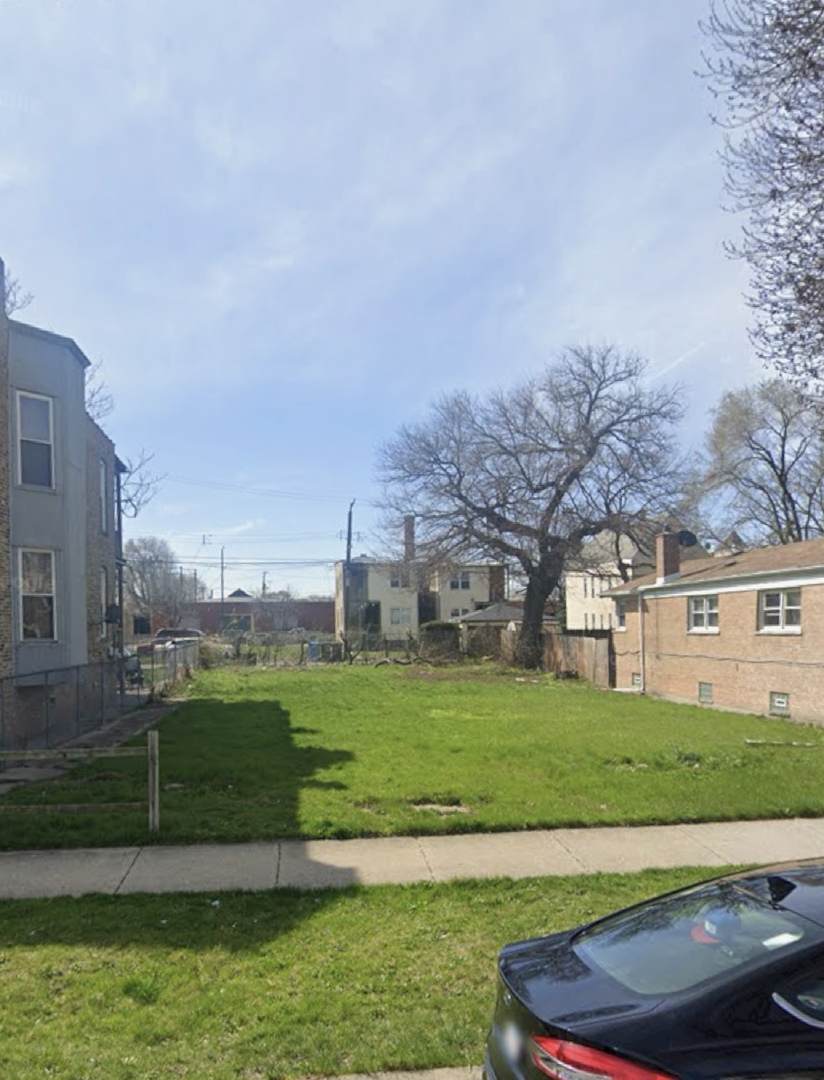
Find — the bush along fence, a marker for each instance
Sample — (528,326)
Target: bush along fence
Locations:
(56,706)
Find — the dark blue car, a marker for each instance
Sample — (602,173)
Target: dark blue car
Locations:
(724,979)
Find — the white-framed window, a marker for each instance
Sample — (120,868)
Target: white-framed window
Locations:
(35,427)
(400,616)
(779,610)
(620,614)
(705,693)
(460,580)
(702,613)
(37,609)
(104,599)
(104,497)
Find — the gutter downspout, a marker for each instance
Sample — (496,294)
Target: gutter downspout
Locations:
(641,652)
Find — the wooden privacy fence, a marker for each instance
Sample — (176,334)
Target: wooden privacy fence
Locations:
(151,751)
(584,655)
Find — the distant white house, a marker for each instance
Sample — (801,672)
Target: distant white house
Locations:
(393,599)
(599,569)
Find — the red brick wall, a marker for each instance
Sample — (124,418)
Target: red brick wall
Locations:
(743,665)
(100,545)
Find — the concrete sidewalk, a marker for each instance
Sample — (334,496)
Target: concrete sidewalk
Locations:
(320,864)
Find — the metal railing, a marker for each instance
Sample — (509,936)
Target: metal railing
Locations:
(53,707)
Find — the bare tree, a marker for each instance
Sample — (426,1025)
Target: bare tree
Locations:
(138,484)
(766,460)
(526,475)
(99,399)
(15,297)
(767,73)
(154,584)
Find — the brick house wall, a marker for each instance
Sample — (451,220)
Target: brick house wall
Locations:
(734,665)
(101,539)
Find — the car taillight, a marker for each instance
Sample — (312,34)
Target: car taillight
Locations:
(565,1060)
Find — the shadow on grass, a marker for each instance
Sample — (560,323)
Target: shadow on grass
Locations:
(221,763)
(216,759)
(234,922)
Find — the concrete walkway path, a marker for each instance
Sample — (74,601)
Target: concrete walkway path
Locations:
(322,864)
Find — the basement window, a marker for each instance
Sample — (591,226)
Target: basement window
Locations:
(779,703)
(636,678)
(705,693)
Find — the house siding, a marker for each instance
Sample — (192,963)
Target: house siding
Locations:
(51,519)
(742,665)
(5,484)
(50,515)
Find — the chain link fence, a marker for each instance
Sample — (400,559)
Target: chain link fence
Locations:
(53,707)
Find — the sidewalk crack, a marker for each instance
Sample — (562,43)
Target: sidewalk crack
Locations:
(128,871)
(426,861)
(575,858)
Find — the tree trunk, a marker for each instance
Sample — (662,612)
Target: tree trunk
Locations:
(530,650)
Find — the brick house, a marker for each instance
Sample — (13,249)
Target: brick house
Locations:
(59,522)
(741,630)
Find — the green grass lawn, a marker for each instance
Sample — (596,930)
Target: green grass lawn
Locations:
(278,984)
(361,751)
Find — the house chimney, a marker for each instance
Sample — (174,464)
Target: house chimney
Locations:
(409,538)
(667,556)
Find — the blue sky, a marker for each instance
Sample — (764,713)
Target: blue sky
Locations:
(285,228)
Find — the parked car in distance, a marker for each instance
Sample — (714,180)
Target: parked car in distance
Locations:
(723,979)
(177,633)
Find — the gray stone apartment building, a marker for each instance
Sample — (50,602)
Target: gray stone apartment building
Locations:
(59,528)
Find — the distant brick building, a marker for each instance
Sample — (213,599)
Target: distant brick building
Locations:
(739,630)
(260,615)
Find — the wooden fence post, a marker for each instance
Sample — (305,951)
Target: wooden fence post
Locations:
(153,755)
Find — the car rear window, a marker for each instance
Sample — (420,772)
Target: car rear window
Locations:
(672,944)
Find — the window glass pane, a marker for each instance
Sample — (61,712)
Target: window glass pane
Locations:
(672,944)
(36,567)
(792,617)
(712,615)
(38,617)
(35,463)
(35,418)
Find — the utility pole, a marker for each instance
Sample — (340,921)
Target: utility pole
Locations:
(263,590)
(222,567)
(347,571)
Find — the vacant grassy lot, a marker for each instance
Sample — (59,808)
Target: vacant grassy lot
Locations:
(345,752)
(263,985)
